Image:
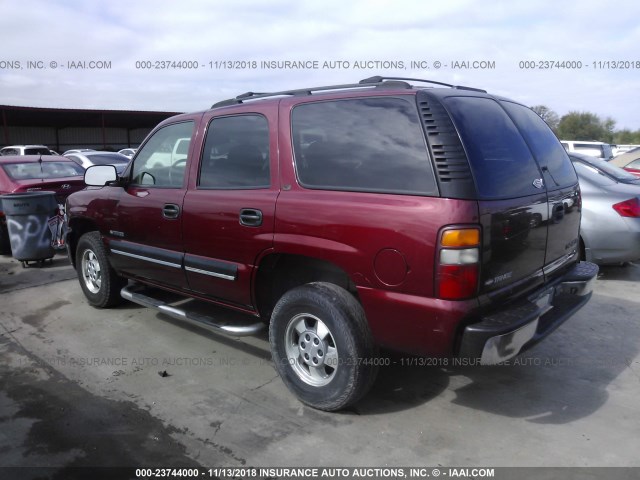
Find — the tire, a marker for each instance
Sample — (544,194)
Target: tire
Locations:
(98,280)
(327,325)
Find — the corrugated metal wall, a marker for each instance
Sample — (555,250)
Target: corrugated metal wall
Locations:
(64,129)
(74,137)
(27,135)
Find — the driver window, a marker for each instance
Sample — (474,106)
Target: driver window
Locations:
(162,161)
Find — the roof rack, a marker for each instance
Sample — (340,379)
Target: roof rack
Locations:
(377,81)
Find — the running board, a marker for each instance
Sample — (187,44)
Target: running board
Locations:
(134,293)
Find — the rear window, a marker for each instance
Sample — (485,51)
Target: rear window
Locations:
(544,145)
(588,149)
(502,164)
(105,159)
(36,170)
(369,145)
(607,169)
(37,151)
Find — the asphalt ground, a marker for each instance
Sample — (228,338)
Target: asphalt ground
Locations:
(81,387)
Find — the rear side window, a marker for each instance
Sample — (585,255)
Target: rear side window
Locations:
(544,145)
(369,145)
(501,162)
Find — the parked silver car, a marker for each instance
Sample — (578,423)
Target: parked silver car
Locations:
(128,152)
(88,159)
(610,228)
(25,150)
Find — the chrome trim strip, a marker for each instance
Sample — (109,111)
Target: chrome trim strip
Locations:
(556,264)
(211,274)
(140,257)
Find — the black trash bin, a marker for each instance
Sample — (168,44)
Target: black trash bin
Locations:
(28,217)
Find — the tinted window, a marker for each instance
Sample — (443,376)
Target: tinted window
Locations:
(236,153)
(544,145)
(36,170)
(10,151)
(373,144)
(501,162)
(37,151)
(588,146)
(159,163)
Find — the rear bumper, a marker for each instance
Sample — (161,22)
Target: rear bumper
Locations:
(503,335)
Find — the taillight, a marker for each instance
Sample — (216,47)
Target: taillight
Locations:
(628,208)
(458,263)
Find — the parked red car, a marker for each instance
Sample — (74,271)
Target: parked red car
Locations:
(34,173)
(634,167)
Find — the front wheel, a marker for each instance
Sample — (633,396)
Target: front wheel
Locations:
(322,346)
(98,280)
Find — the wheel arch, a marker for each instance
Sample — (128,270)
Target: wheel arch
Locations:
(280,272)
(77,227)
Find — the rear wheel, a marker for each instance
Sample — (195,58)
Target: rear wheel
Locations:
(322,346)
(98,280)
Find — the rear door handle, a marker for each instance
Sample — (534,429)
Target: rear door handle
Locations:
(171,211)
(250,217)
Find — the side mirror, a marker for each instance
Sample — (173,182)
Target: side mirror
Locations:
(100,175)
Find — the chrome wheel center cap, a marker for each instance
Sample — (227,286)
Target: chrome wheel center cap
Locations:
(312,349)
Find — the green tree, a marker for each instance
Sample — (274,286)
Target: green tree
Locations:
(586,126)
(626,137)
(548,116)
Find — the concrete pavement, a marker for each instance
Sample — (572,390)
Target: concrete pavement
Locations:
(81,386)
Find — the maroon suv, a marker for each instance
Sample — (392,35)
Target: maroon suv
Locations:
(434,221)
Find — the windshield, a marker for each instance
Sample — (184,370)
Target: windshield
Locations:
(609,170)
(44,170)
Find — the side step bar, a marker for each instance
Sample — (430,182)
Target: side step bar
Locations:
(134,293)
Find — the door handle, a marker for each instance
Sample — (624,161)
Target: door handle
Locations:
(250,217)
(171,211)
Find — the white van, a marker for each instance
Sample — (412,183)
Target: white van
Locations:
(593,149)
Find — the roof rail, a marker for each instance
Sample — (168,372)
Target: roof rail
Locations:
(376,81)
(301,91)
(379,79)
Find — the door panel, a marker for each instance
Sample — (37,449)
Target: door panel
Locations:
(149,245)
(221,252)
(147,241)
(229,213)
(515,238)
(564,226)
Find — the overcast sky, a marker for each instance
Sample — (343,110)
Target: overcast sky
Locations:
(121,34)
